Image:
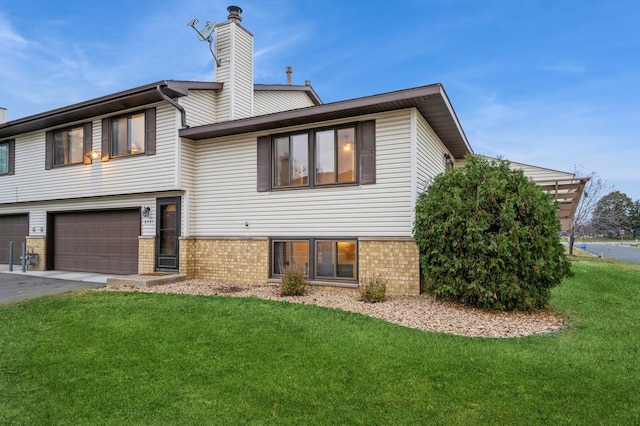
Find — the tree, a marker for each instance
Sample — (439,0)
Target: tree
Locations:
(612,213)
(581,222)
(488,237)
(634,219)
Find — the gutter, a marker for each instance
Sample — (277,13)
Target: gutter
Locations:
(183,113)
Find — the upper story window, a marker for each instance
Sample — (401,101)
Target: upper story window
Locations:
(318,157)
(291,161)
(71,145)
(7,157)
(68,146)
(336,156)
(129,134)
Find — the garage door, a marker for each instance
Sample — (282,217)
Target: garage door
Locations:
(13,228)
(99,241)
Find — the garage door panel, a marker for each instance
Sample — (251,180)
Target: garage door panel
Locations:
(99,241)
(13,228)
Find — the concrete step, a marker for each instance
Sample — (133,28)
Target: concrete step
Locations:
(145,280)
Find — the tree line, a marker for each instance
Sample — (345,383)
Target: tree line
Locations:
(603,212)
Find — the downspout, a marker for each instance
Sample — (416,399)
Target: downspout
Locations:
(183,113)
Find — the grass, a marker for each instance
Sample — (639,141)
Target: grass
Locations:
(126,358)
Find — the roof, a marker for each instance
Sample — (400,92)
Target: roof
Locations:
(108,104)
(431,101)
(131,98)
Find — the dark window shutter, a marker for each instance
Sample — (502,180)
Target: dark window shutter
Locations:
(48,161)
(106,139)
(12,157)
(264,164)
(150,127)
(87,142)
(368,152)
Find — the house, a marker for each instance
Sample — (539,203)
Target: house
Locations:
(227,179)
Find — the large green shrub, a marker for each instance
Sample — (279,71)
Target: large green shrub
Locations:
(488,237)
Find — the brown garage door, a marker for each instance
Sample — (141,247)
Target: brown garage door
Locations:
(99,241)
(13,228)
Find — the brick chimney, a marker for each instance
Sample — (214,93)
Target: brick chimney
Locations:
(234,45)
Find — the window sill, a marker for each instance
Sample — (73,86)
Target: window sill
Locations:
(339,284)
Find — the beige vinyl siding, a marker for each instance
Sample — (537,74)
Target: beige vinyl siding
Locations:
(222,73)
(268,102)
(200,107)
(540,174)
(535,173)
(38,211)
(430,154)
(235,47)
(134,174)
(187,182)
(226,199)
(242,75)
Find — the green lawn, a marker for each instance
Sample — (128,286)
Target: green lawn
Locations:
(127,358)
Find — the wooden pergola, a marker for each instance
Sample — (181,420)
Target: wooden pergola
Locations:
(566,194)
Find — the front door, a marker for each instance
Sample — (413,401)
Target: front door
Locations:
(167,233)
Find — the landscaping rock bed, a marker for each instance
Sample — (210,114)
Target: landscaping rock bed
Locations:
(422,312)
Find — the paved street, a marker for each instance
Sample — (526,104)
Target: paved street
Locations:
(613,251)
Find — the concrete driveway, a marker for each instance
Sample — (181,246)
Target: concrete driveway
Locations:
(17,285)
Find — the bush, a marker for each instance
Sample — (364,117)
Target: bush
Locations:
(488,237)
(293,281)
(373,289)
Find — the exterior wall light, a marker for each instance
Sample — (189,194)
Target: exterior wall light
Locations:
(448,162)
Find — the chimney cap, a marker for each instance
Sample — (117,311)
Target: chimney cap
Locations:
(234,13)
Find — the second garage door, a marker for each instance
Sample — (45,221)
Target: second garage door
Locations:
(98,241)
(13,228)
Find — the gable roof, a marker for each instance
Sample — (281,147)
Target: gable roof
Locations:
(431,101)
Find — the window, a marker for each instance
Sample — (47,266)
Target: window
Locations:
(327,260)
(71,145)
(335,259)
(7,157)
(335,156)
(291,161)
(129,134)
(68,146)
(317,157)
(288,253)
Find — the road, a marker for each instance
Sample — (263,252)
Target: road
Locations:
(18,286)
(612,251)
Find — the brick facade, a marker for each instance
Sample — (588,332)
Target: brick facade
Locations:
(37,245)
(226,259)
(247,261)
(397,261)
(187,261)
(146,254)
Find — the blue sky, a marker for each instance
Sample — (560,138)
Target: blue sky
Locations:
(550,83)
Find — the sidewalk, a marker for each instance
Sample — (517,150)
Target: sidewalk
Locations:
(61,275)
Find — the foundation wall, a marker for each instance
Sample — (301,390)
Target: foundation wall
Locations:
(230,260)
(397,261)
(247,261)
